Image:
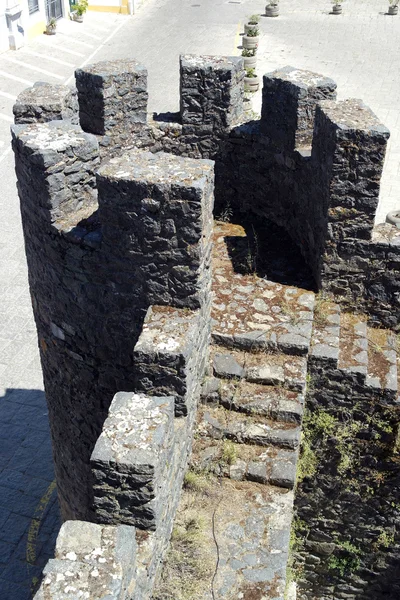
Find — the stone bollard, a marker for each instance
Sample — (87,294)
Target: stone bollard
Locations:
(289,99)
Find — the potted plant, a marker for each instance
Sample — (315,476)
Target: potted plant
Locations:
(249,58)
(51,26)
(272,9)
(393,7)
(251,39)
(251,23)
(78,10)
(251,81)
(337,7)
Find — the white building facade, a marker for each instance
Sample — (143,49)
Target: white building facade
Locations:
(22,20)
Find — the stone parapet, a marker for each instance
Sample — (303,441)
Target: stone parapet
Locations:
(211,97)
(146,239)
(289,100)
(112,100)
(46,102)
(119,258)
(131,458)
(171,353)
(348,150)
(91,561)
(163,223)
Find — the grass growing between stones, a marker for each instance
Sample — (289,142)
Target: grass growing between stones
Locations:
(189,565)
(322,311)
(346,559)
(229,453)
(298,534)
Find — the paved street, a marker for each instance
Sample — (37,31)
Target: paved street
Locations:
(358,49)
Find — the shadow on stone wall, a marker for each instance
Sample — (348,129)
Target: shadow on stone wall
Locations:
(29,514)
(268,251)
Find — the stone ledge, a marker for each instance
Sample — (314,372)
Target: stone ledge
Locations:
(92,562)
(130,459)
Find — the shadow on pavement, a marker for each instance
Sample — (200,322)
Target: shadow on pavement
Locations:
(29,514)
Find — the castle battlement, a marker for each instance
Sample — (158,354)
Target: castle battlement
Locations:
(118,223)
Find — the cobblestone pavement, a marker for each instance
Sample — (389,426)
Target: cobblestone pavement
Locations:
(357,49)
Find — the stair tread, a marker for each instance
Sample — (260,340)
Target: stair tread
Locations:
(218,423)
(253,312)
(268,465)
(261,368)
(326,331)
(275,402)
(382,359)
(353,348)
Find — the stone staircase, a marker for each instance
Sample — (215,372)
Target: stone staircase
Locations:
(268,341)
(248,428)
(350,348)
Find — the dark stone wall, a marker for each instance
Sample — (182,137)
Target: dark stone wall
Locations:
(97,264)
(112,101)
(94,270)
(346,527)
(46,102)
(310,164)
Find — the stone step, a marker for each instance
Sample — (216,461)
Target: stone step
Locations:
(235,535)
(224,458)
(353,345)
(289,372)
(274,402)
(382,361)
(220,423)
(251,312)
(326,333)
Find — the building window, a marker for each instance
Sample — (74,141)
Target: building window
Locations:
(33,6)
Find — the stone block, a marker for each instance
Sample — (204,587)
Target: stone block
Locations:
(47,156)
(130,460)
(46,102)
(170,355)
(289,99)
(156,210)
(211,93)
(92,561)
(112,99)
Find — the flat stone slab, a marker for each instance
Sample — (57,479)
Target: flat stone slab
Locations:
(290,372)
(160,169)
(243,540)
(250,312)
(224,365)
